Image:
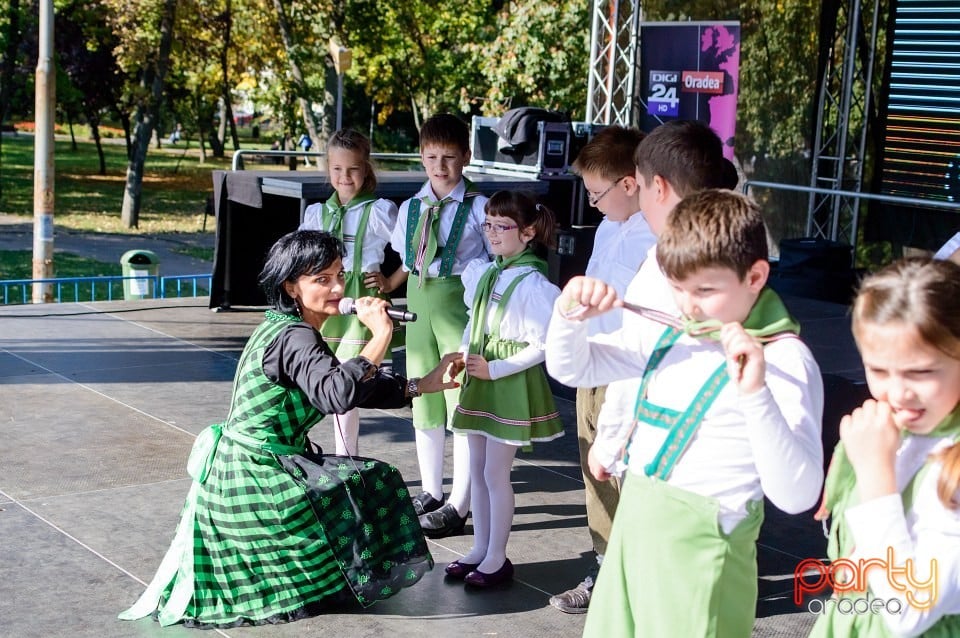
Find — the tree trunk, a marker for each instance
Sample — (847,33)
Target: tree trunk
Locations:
(94,123)
(201,131)
(124,118)
(225,73)
(73,137)
(147,115)
(306,107)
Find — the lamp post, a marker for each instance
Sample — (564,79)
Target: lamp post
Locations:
(342,58)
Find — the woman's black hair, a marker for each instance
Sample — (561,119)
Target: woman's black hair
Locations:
(302,252)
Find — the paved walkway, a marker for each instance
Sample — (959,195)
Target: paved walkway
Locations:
(16,233)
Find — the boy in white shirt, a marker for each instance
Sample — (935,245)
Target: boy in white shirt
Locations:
(606,165)
(438,232)
(718,409)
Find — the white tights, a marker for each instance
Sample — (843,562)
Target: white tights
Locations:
(430,458)
(346,432)
(492,503)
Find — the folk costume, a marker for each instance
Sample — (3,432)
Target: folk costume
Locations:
(252,547)
(510,302)
(915,526)
(700,458)
(364,225)
(436,239)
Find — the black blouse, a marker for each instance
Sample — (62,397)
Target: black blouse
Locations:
(299,357)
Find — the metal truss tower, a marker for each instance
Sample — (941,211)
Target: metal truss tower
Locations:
(614,62)
(848,62)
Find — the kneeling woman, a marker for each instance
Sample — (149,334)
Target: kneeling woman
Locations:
(251,546)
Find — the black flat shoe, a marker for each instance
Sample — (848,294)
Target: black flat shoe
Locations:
(458,570)
(424,502)
(480,579)
(442,522)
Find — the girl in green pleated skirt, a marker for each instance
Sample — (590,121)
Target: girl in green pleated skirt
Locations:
(506,402)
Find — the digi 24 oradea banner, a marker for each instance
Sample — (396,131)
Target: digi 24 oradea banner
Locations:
(691,71)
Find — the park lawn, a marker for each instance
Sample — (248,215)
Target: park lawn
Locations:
(18,264)
(175,186)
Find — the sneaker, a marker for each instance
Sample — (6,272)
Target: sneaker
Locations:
(576,600)
(442,522)
(424,502)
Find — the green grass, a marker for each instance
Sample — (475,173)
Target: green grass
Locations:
(17,264)
(175,186)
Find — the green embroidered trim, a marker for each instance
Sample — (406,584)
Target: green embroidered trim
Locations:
(682,425)
(361,233)
(449,253)
(680,435)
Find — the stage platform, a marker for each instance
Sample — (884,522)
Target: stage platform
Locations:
(100,404)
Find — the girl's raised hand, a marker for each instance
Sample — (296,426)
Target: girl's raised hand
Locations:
(745,363)
(871,438)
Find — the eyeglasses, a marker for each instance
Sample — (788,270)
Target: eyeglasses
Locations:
(499,229)
(595,199)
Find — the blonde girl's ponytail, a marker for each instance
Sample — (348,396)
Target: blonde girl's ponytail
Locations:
(949,481)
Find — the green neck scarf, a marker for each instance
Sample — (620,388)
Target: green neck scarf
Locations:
(768,319)
(840,484)
(334,211)
(481,300)
(427,229)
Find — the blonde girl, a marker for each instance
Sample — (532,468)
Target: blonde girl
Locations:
(892,485)
(364,223)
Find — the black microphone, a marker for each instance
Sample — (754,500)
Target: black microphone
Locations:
(348,307)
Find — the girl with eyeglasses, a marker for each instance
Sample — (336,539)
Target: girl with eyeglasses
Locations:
(506,402)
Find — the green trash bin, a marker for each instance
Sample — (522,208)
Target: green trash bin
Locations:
(140,263)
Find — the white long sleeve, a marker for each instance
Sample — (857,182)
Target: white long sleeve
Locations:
(927,534)
(577,360)
(766,443)
(524,319)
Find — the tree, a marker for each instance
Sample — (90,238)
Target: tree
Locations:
(85,47)
(145,43)
(10,40)
(295,51)
(417,53)
(542,53)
